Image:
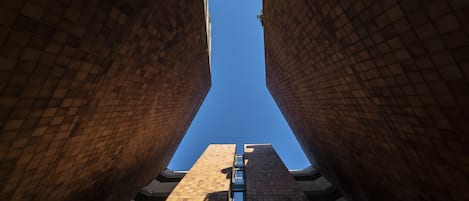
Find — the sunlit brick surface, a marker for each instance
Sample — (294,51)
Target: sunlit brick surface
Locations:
(95,95)
(266,176)
(376,92)
(209,179)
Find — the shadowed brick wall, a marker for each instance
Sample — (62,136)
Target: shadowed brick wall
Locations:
(376,92)
(266,176)
(209,179)
(96,94)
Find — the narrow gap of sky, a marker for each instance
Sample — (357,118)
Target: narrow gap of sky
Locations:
(238,108)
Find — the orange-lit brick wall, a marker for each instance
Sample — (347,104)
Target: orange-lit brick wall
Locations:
(209,179)
(377,92)
(96,95)
(266,176)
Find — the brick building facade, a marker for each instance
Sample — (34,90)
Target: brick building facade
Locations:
(210,177)
(376,92)
(220,175)
(96,95)
(267,178)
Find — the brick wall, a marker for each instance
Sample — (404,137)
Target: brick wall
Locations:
(266,176)
(376,92)
(209,179)
(96,95)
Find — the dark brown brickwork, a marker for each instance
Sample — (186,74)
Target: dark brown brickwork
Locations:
(209,179)
(266,176)
(95,95)
(376,92)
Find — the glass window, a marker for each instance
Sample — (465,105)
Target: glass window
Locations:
(238,176)
(239,173)
(237,187)
(239,181)
(238,196)
(239,162)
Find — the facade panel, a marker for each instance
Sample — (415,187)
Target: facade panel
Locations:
(210,177)
(266,176)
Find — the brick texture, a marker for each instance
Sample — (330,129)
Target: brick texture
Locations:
(377,92)
(266,176)
(210,177)
(96,95)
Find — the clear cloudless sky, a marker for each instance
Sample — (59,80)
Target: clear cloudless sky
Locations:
(238,108)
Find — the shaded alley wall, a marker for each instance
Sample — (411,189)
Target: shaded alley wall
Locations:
(96,95)
(376,92)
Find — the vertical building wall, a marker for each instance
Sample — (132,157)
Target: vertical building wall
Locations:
(209,179)
(266,176)
(377,92)
(96,95)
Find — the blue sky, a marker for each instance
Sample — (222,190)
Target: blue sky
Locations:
(238,108)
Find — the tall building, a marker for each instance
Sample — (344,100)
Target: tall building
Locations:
(220,174)
(96,95)
(376,92)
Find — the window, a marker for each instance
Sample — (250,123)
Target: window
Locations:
(239,161)
(238,196)
(237,180)
(239,174)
